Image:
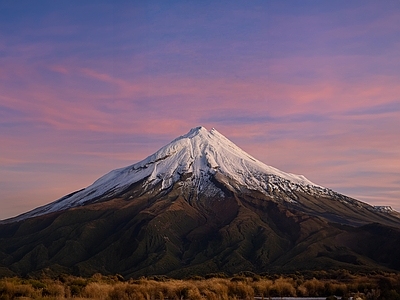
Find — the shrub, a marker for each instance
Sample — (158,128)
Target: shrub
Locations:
(283,287)
(96,290)
(24,290)
(7,288)
(54,289)
(339,289)
(314,287)
(263,287)
(214,289)
(302,291)
(36,284)
(240,290)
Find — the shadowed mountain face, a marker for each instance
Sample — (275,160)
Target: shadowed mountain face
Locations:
(200,205)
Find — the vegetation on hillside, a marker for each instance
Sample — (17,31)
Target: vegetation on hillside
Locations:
(245,285)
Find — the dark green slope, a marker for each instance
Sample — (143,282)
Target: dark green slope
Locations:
(176,236)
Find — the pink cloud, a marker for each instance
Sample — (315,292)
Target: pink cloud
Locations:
(171,105)
(254,96)
(79,108)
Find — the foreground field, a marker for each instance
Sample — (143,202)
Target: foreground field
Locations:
(214,286)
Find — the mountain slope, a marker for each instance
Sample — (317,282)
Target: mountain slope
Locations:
(200,205)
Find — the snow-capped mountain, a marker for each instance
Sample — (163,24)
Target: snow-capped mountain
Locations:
(194,162)
(200,205)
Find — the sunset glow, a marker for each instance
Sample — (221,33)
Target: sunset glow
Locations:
(309,87)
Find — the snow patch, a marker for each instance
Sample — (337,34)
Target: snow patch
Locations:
(384,209)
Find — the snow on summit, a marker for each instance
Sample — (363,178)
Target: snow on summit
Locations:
(199,155)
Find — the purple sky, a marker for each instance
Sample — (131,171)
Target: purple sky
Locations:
(309,87)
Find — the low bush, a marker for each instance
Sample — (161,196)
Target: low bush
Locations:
(242,286)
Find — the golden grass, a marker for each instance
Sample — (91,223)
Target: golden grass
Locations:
(377,286)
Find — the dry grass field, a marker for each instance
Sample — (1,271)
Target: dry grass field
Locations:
(213,287)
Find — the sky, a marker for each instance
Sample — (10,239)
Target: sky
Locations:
(310,87)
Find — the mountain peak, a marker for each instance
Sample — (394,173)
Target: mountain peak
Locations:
(201,132)
(196,130)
